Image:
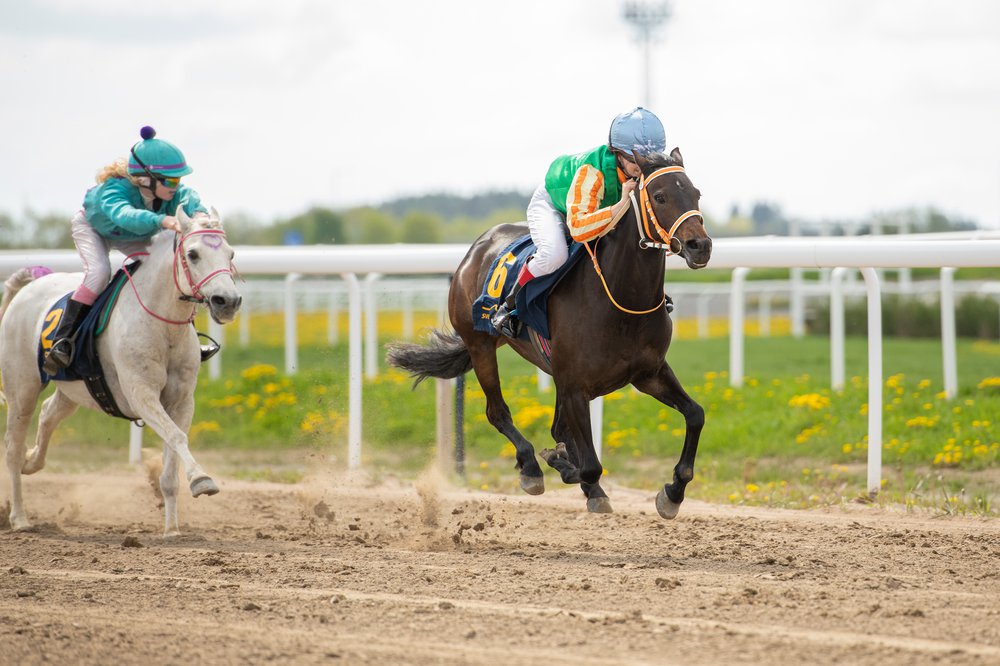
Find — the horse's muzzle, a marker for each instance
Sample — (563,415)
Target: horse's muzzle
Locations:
(697,252)
(224,308)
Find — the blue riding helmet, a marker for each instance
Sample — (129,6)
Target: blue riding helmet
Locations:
(156,156)
(637,131)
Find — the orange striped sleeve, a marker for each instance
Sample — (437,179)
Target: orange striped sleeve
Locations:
(583,217)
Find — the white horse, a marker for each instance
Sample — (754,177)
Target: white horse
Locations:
(149,352)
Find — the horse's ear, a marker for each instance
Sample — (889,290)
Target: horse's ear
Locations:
(183,218)
(675,154)
(216,218)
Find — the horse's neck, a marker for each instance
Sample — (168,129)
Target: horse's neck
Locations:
(155,283)
(626,264)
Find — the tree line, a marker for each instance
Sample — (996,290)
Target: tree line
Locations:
(446,218)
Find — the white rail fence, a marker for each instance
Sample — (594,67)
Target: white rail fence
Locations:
(865,254)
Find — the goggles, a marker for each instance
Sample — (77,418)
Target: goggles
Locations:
(167,181)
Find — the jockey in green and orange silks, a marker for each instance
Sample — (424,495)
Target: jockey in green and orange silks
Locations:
(584,194)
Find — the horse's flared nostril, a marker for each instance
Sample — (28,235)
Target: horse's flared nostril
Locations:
(699,244)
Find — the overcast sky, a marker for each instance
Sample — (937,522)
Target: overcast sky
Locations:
(831,109)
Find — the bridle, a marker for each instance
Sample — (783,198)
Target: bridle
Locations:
(181,258)
(180,265)
(646,223)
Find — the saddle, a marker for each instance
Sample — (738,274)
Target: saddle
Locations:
(533,299)
(86,365)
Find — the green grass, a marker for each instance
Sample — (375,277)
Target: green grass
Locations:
(783,439)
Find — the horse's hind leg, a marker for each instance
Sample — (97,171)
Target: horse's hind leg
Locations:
(565,459)
(19,412)
(664,387)
(484,363)
(54,410)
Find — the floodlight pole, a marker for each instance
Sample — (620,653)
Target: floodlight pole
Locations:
(645,17)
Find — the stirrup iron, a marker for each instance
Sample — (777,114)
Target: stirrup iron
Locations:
(210,348)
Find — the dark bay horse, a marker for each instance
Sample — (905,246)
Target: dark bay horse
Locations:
(609,328)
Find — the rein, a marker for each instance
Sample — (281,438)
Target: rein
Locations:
(179,258)
(646,222)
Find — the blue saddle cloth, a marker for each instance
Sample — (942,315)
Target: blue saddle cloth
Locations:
(85,362)
(532,301)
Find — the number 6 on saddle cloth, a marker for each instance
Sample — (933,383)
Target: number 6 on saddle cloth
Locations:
(532,300)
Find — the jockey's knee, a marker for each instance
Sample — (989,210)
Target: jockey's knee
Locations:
(548,259)
(93,284)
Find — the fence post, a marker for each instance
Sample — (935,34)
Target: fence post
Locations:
(371,326)
(837,328)
(333,317)
(460,425)
(354,372)
(291,325)
(597,424)
(737,307)
(134,444)
(218,333)
(948,331)
(874,380)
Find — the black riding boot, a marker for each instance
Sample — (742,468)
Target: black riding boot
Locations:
(505,319)
(61,353)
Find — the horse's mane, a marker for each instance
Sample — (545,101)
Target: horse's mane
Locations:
(655,161)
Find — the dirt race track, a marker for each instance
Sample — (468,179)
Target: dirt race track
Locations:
(339,570)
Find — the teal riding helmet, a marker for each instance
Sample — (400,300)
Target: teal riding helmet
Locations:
(156,156)
(637,131)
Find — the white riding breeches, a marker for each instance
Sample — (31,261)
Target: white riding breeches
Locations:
(94,249)
(547,226)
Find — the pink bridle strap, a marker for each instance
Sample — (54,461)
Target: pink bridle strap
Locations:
(181,258)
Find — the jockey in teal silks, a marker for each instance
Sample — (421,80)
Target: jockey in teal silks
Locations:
(133,200)
(587,193)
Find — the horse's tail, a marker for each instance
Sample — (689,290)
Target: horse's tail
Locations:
(444,356)
(17,281)
(14,284)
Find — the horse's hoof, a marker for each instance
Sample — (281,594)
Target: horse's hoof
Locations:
(665,507)
(19,523)
(203,485)
(533,485)
(599,505)
(548,455)
(171,534)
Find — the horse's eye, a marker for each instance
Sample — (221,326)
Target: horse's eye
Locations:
(659,198)
(193,255)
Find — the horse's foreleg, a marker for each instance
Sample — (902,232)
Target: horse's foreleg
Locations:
(168,488)
(145,402)
(484,363)
(54,410)
(664,387)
